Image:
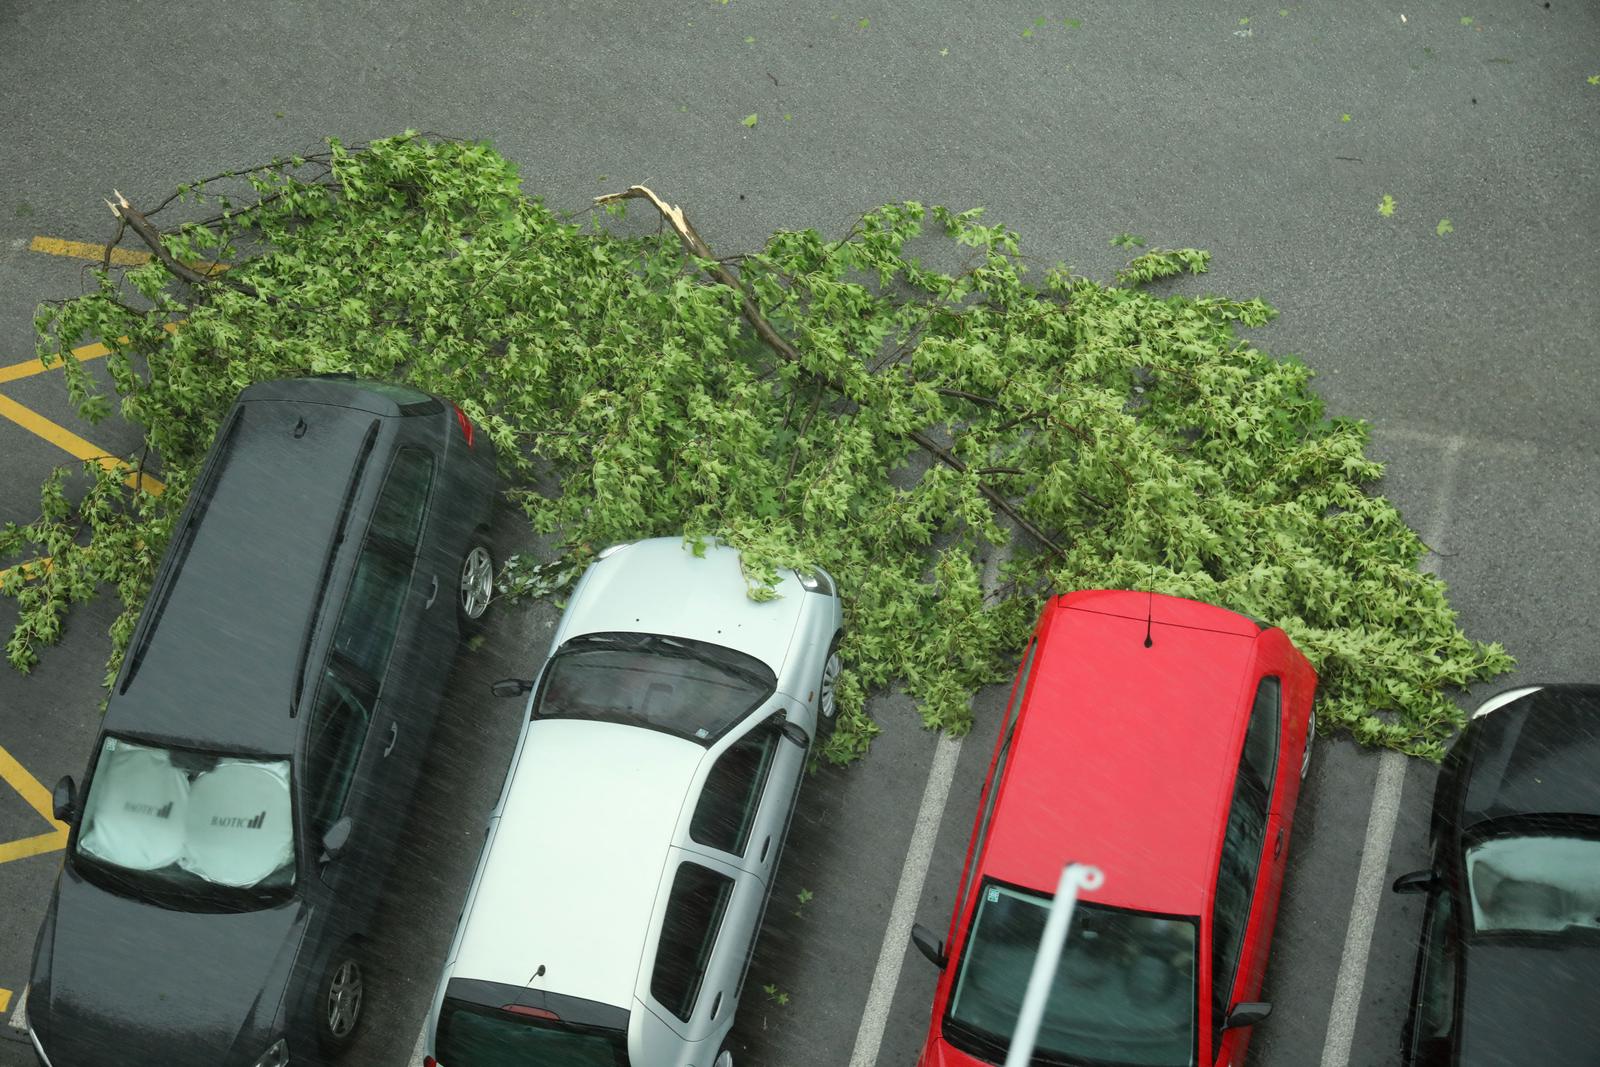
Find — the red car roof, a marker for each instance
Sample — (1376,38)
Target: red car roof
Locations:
(1125,755)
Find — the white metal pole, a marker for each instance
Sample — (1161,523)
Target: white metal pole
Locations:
(1073,877)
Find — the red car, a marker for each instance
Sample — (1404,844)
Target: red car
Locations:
(1163,741)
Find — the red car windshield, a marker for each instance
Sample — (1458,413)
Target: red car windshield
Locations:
(1124,993)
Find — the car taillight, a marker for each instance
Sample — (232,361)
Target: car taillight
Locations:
(465,424)
(429,1061)
(531,1012)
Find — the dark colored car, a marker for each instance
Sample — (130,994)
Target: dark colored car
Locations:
(1509,958)
(265,734)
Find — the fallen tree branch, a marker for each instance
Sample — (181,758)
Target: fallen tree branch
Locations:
(129,216)
(696,245)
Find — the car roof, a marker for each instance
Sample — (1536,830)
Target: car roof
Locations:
(1124,756)
(659,586)
(1534,755)
(1528,1000)
(577,858)
(216,666)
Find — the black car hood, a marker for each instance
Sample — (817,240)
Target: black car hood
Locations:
(1530,1000)
(133,983)
(1535,755)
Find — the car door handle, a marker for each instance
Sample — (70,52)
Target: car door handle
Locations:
(433,594)
(1277,846)
(764,846)
(394,735)
(715,1004)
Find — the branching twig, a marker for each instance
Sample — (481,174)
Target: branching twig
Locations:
(697,247)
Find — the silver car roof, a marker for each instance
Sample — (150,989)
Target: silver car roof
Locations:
(577,857)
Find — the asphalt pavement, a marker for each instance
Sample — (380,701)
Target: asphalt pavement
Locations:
(1464,326)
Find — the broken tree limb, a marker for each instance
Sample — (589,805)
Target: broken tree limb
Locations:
(130,217)
(696,246)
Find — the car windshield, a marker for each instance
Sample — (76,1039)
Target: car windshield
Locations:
(1124,992)
(190,830)
(1534,882)
(693,689)
(472,1035)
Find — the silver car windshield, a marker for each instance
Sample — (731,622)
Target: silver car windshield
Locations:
(176,823)
(693,689)
(1124,991)
(1535,883)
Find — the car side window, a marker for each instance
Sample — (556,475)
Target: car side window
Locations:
(993,788)
(370,618)
(338,728)
(732,793)
(1241,850)
(403,501)
(695,908)
(1261,739)
(1430,1039)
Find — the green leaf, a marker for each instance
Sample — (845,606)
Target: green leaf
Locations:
(749,40)
(1466,20)
(749,120)
(1345,117)
(1386,208)
(1444,227)
(863,24)
(1244,22)
(1027,32)
(1594,79)
(787,117)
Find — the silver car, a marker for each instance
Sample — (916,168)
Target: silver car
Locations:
(629,859)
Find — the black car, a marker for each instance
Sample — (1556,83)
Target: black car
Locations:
(1509,959)
(265,734)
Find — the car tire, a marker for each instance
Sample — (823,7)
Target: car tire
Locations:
(827,706)
(474,584)
(340,999)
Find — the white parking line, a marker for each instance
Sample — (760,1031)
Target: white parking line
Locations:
(19,1014)
(1380,824)
(906,897)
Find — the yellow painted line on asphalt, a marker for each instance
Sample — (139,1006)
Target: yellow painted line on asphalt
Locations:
(71,443)
(29,367)
(55,246)
(54,841)
(27,569)
(5,1000)
(83,353)
(120,257)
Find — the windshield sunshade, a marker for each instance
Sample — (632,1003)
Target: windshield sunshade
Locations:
(183,817)
(689,688)
(1124,992)
(1539,882)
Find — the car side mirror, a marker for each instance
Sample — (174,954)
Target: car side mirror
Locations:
(1247,1013)
(64,801)
(929,945)
(1415,882)
(336,839)
(796,733)
(511,687)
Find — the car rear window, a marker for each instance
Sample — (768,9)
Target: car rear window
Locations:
(693,689)
(474,1035)
(1124,991)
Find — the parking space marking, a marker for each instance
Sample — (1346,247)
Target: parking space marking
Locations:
(55,246)
(1380,824)
(37,797)
(5,1000)
(29,367)
(70,442)
(886,977)
(19,1018)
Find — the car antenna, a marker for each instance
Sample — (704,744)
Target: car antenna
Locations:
(536,974)
(1149,608)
